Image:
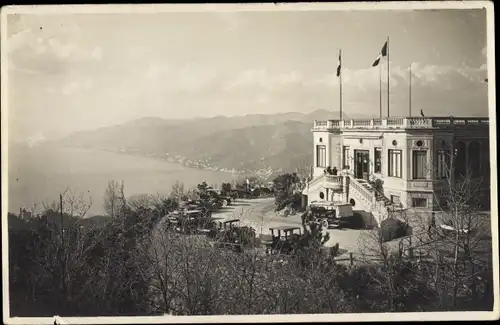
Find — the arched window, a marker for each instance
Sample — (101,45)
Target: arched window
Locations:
(460,163)
(443,163)
(475,158)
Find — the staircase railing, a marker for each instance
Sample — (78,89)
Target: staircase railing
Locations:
(316,181)
(381,197)
(335,179)
(375,204)
(365,193)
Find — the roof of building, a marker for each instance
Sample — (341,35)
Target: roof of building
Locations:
(434,122)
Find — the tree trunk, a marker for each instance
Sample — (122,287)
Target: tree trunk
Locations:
(455,271)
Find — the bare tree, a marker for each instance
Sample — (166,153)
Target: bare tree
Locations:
(303,171)
(178,191)
(459,243)
(453,262)
(113,198)
(76,204)
(144,201)
(62,250)
(384,254)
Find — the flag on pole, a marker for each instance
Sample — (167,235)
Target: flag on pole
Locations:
(340,63)
(382,53)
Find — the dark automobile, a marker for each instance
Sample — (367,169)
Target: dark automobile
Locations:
(281,238)
(330,214)
(217,196)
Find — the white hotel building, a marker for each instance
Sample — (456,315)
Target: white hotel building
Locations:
(409,155)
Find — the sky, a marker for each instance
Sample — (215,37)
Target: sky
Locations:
(70,72)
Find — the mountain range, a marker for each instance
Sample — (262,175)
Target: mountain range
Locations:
(247,143)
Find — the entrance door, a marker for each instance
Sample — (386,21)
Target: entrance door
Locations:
(362,164)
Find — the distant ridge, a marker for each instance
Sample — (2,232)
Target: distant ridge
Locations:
(251,142)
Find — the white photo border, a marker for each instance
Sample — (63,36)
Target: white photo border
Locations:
(339,6)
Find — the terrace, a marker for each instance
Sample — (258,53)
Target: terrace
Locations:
(329,181)
(402,123)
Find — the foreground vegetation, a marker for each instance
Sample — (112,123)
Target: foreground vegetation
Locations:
(130,264)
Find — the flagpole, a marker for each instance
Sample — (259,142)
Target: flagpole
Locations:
(340,57)
(388,77)
(380,87)
(409,93)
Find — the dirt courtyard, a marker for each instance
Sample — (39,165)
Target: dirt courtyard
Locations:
(260,214)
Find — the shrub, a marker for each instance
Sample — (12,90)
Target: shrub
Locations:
(284,191)
(392,228)
(246,235)
(378,187)
(293,202)
(308,248)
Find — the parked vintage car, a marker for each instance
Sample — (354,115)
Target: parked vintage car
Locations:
(280,240)
(261,192)
(330,214)
(240,194)
(229,234)
(225,200)
(197,205)
(190,221)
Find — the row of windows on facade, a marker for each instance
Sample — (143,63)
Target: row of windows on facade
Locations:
(419,161)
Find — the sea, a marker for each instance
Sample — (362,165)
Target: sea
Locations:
(37,175)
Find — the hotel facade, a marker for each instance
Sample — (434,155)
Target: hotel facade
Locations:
(413,158)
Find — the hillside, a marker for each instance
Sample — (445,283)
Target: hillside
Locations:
(244,143)
(281,146)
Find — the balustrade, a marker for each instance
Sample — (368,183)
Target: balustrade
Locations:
(402,122)
(332,179)
(366,194)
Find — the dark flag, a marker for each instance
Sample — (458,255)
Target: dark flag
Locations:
(380,55)
(340,63)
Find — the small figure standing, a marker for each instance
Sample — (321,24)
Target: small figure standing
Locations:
(329,170)
(334,171)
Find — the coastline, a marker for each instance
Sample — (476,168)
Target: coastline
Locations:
(38,174)
(186,162)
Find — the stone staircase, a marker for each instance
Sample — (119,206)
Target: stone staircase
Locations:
(361,191)
(315,183)
(368,199)
(380,197)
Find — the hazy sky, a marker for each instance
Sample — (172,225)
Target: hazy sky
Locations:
(71,72)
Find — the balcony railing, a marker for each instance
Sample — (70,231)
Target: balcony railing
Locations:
(403,123)
(334,180)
